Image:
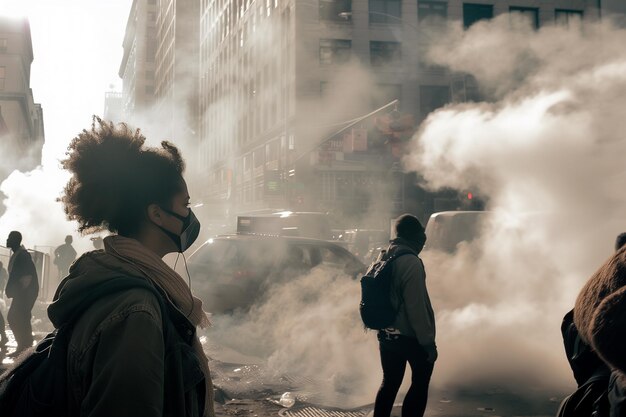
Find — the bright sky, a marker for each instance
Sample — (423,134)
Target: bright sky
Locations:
(77,46)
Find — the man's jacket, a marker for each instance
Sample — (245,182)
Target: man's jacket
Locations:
(119,363)
(21,265)
(415,313)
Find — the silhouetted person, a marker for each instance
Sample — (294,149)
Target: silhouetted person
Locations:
(3,282)
(412,337)
(22,288)
(64,255)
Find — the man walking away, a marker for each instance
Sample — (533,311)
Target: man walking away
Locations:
(23,289)
(64,255)
(412,337)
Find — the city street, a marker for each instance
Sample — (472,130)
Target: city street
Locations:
(243,391)
(304,201)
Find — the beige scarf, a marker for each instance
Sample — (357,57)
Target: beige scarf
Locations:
(174,286)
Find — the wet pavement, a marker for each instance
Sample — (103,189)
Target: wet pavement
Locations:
(464,404)
(476,405)
(249,391)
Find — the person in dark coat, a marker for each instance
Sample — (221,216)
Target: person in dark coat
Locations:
(412,337)
(23,289)
(600,317)
(128,357)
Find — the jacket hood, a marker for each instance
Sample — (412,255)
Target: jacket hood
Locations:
(88,271)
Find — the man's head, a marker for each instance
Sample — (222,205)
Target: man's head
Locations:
(408,227)
(14,240)
(68,239)
(620,241)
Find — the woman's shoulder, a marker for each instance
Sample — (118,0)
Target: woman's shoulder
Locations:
(117,311)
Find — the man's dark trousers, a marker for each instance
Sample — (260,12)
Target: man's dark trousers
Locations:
(19,320)
(395,352)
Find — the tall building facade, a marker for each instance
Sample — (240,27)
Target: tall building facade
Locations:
(137,69)
(21,119)
(176,68)
(284,86)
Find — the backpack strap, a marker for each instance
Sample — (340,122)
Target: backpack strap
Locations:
(399,253)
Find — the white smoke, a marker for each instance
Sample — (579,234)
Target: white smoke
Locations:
(308,328)
(546,149)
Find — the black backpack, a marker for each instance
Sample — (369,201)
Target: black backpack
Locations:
(36,385)
(377,311)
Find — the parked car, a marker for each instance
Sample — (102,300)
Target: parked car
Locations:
(361,241)
(232,272)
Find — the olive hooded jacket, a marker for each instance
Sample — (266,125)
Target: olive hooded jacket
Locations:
(120,361)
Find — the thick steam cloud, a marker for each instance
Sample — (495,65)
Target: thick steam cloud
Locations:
(545,148)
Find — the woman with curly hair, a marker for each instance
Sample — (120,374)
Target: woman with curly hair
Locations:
(126,355)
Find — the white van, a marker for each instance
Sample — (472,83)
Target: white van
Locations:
(446,229)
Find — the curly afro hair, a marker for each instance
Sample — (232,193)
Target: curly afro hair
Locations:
(115,178)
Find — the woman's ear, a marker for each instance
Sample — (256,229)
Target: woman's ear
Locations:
(155,215)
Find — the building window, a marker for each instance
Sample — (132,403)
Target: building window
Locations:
(385,53)
(385,11)
(432,11)
(338,10)
(2,76)
(473,13)
(568,18)
(334,51)
(433,97)
(3,45)
(529,15)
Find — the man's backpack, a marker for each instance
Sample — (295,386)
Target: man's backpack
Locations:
(376,308)
(37,386)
